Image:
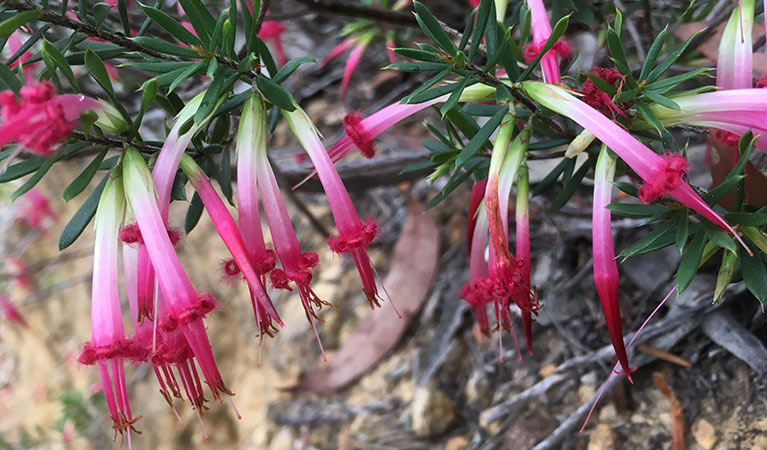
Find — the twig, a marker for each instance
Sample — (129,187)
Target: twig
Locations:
(261,14)
(677,424)
(354,9)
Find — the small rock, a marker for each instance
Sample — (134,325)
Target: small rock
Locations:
(432,412)
(547,370)
(608,414)
(283,439)
(602,438)
(585,392)
(704,434)
(457,443)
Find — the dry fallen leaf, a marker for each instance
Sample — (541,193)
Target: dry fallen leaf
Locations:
(677,424)
(413,264)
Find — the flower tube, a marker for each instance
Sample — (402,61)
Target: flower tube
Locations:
(734,66)
(662,174)
(186,309)
(605,267)
(476,293)
(354,235)
(230,235)
(541,29)
(108,347)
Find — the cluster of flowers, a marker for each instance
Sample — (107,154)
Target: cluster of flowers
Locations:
(166,310)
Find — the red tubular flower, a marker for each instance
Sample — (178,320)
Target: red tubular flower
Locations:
(354,235)
(186,309)
(605,267)
(230,235)
(476,293)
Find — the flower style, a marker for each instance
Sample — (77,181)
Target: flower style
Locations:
(354,235)
(230,235)
(541,29)
(662,174)
(296,265)
(40,118)
(108,347)
(605,267)
(185,308)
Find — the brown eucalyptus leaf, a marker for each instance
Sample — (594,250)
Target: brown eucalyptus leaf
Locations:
(413,264)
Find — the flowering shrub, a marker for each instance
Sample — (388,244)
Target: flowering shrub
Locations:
(506,97)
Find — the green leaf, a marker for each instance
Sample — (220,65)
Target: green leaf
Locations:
(754,274)
(96,68)
(290,67)
(9,80)
(224,176)
(266,55)
(456,180)
(57,59)
(615,46)
(74,228)
(658,236)
(34,179)
(636,209)
(570,186)
(18,170)
(724,276)
(552,176)
(669,83)
(688,267)
(661,100)
(432,29)
(216,89)
(166,47)
(194,213)
(480,139)
(247,24)
(748,219)
(171,26)
(556,32)
(418,67)
(185,74)
(682,231)
(670,59)
(8,26)
(419,167)
(122,10)
(480,23)
(81,182)
(275,93)
(652,54)
(719,237)
(456,95)
(200,18)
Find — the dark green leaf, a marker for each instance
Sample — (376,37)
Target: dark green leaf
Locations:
(193,214)
(755,275)
(290,67)
(682,231)
(81,182)
(480,139)
(670,59)
(166,47)
(636,209)
(8,26)
(556,32)
(569,189)
(200,18)
(74,228)
(664,234)
(34,179)
(661,100)
(8,79)
(431,28)
(552,176)
(171,26)
(688,267)
(18,170)
(275,93)
(57,59)
(480,23)
(652,54)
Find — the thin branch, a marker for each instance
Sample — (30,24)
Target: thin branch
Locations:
(261,14)
(354,9)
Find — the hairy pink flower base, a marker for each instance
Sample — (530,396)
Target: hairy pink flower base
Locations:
(40,118)
(656,170)
(354,235)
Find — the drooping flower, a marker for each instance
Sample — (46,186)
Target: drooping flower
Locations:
(108,347)
(358,44)
(354,235)
(185,308)
(662,174)
(230,235)
(40,118)
(296,265)
(541,29)
(605,267)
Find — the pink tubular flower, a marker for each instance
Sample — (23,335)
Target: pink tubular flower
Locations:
(296,265)
(605,267)
(271,31)
(35,209)
(734,66)
(475,293)
(185,308)
(10,312)
(108,347)
(230,235)
(358,46)
(661,174)
(15,43)
(541,31)
(40,119)
(354,235)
